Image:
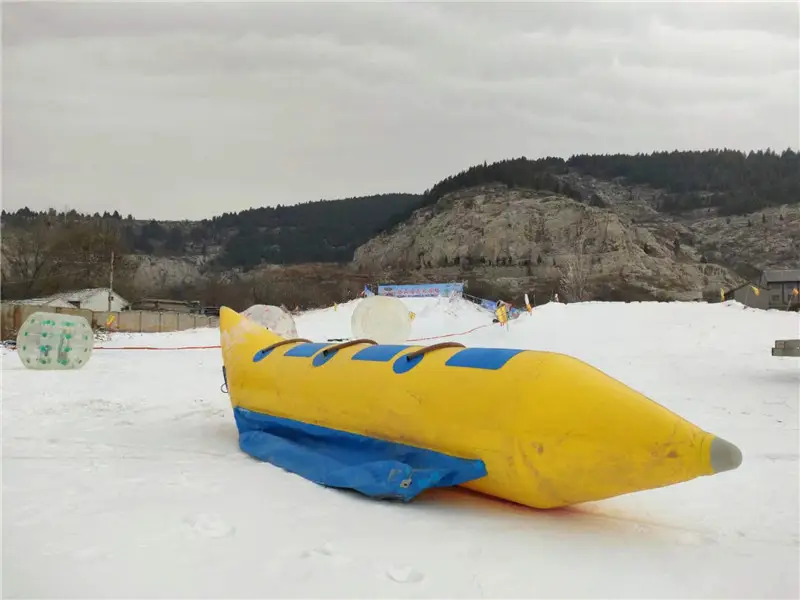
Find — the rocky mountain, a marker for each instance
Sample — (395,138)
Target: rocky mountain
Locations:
(540,240)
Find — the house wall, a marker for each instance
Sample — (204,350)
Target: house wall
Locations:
(746,296)
(780,293)
(99,302)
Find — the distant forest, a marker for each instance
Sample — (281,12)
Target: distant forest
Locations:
(728,181)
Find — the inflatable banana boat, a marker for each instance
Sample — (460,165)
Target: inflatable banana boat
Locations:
(537,428)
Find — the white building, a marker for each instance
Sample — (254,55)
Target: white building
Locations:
(94,299)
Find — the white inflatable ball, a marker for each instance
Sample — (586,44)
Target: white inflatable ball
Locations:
(274,318)
(50,341)
(383,319)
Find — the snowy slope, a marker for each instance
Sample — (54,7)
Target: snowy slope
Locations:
(125,479)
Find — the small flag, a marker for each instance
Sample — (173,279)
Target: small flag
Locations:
(411,315)
(756,291)
(502,314)
(722,295)
(335,306)
(110,320)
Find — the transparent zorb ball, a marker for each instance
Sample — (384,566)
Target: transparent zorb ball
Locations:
(382,319)
(51,341)
(274,318)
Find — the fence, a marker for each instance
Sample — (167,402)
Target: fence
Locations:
(12,316)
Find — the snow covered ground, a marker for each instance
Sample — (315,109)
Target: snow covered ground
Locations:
(124,479)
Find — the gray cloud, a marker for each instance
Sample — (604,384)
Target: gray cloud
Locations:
(185,110)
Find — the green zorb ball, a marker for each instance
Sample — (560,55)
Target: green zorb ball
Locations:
(52,341)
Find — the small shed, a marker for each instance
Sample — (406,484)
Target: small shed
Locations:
(781,284)
(749,294)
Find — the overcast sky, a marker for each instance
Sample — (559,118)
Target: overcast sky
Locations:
(186,110)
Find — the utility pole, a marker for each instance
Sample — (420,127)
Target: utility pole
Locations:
(111,281)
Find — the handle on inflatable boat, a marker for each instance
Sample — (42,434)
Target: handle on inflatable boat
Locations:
(347,344)
(284,343)
(431,348)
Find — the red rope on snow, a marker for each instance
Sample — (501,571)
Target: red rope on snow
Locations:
(449,335)
(421,339)
(154,348)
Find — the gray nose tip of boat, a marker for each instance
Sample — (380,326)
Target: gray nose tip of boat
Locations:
(724,455)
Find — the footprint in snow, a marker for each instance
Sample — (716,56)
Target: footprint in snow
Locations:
(404,574)
(211,526)
(326,552)
(694,538)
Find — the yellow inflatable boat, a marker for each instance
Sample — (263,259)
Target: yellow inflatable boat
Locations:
(537,428)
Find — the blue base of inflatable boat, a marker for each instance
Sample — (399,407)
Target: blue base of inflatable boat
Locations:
(333,458)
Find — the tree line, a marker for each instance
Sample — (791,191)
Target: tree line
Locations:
(733,182)
(730,181)
(50,255)
(322,231)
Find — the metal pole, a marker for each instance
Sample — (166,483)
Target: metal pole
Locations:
(111,281)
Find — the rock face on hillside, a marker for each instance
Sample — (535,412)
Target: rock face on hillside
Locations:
(533,237)
(157,274)
(767,239)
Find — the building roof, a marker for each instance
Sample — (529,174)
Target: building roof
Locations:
(781,275)
(54,302)
(78,296)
